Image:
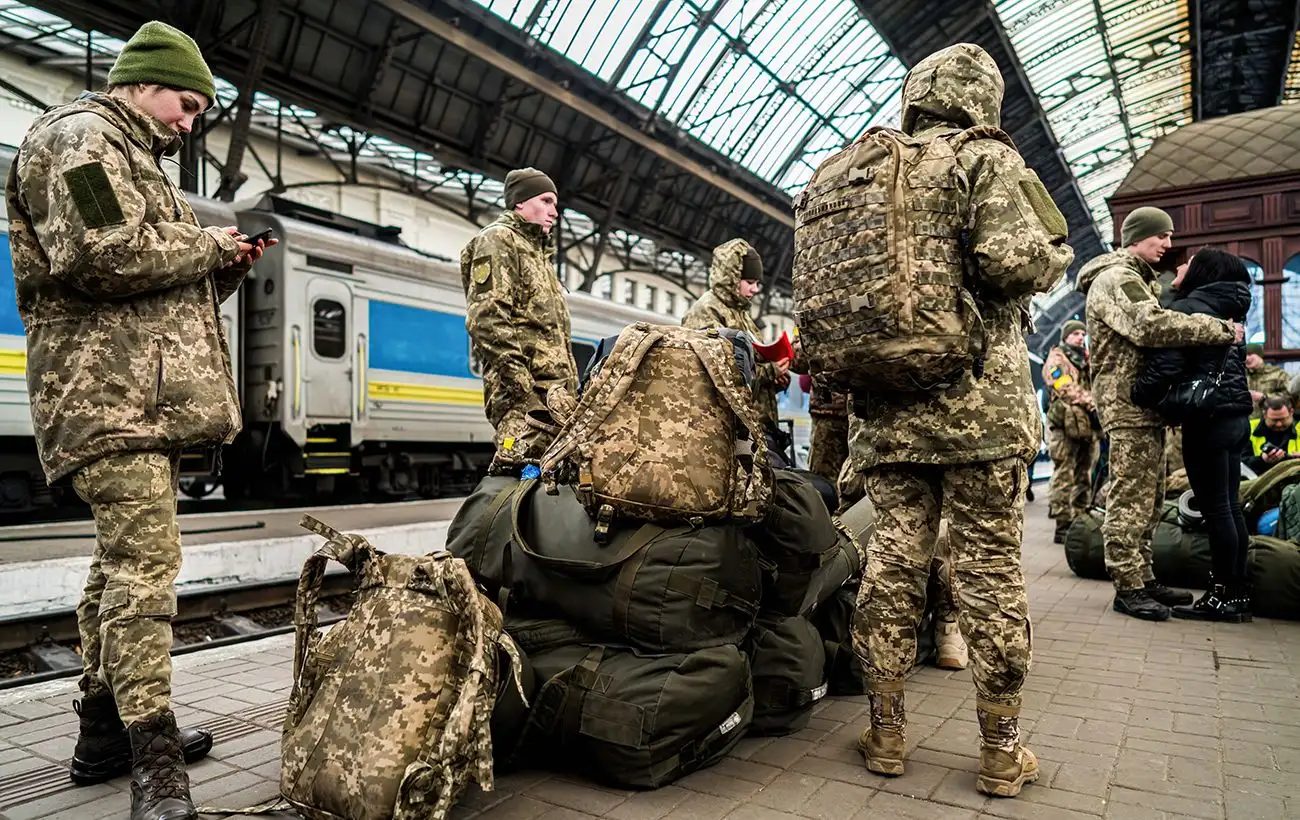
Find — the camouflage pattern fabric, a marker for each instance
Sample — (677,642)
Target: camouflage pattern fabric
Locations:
(390,713)
(721,306)
(518,323)
(118,288)
(1133,503)
(984,505)
(126,609)
(1124,316)
(1270,380)
(829,447)
(1071,486)
(1071,391)
(1016,238)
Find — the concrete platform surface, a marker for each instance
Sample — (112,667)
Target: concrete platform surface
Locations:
(1132,721)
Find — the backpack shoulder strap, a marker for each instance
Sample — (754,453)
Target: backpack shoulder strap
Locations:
(980,132)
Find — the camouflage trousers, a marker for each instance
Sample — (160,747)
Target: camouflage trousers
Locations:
(829,448)
(1133,503)
(1071,487)
(984,504)
(126,609)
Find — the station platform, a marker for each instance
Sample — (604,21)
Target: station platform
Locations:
(1131,720)
(43,567)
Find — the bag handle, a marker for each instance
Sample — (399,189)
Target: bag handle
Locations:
(574,567)
(351,550)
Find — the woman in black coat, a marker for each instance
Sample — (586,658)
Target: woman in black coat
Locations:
(1218,284)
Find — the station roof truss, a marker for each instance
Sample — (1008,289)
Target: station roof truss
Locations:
(673,125)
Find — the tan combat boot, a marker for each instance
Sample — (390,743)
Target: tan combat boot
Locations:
(882,742)
(951,649)
(1005,765)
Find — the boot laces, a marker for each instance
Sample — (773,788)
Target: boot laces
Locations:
(160,769)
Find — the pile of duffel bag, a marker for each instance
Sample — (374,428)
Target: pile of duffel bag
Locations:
(663,583)
(1180,547)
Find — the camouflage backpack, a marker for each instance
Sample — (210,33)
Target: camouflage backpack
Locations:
(390,711)
(665,432)
(882,247)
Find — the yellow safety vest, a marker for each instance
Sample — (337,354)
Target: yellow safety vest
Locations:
(1257,441)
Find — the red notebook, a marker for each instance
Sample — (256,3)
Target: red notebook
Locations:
(776,351)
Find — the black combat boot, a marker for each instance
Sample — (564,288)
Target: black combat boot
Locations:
(1215,605)
(104,747)
(1139,604)
(160,788)
(1167,596)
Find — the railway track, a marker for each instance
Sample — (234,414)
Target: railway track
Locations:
(40,647)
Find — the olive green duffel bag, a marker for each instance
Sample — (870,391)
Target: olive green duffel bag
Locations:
(1180,555)
(637,721)
(796,538)
(659,590)
(1275,578)
(846,562)
(788,659)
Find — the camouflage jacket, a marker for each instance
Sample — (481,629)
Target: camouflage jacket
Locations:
(721,306)
(517,317)
(1124,317)
(823,401)
(1270,380)
(118,288)
(1017,239)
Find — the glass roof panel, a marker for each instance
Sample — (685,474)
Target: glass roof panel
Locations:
(1112,75)
(761,81)
(1291,93)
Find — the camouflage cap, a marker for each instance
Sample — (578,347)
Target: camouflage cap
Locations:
(960,84)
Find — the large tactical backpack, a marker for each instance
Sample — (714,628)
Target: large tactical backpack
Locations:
(638,721)
(390,710)
(666,432)
(1265,492)
(882,245)
(658,589)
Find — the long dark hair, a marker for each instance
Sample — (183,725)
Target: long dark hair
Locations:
(1213,265)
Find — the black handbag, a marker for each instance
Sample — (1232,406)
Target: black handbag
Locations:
(1194,397)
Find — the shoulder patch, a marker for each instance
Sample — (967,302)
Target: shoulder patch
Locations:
(1135,292)
(481,270)
(92,193)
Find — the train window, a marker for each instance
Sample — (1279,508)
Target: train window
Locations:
(329,329)
(582,353)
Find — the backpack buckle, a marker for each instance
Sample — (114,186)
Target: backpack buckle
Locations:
(604,520)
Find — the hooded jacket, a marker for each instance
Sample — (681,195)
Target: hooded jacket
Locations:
(722,306)
(518,323)
(118,288)
(1017,238)
(1124,316)
(1169,366)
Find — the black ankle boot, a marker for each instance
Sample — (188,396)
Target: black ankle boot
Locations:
(1167,596)
(160,787)
(104,748)
(1238,603)
(1214,605)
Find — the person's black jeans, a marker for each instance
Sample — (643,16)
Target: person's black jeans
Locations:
(1212,455)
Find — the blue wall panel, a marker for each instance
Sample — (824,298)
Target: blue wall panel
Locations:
(416,340)
(9,321)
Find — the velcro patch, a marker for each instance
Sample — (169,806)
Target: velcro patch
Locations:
(1136,292)
(93,195)
(1044,208)
(481,271)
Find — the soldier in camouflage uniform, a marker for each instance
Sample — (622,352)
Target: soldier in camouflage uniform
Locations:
(1264,379)
(127,363)
(734,279)
(518,322)
(1071,440)
(829,448)
(960,454)
(1124,316)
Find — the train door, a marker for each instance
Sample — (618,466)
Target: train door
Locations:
(329,367)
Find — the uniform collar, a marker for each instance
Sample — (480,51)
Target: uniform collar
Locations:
(145,129)
(530,231)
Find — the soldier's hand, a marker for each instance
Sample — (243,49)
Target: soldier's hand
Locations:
(1240,330)
(1274,456)
(1256,396)
(247,250)
(782,366)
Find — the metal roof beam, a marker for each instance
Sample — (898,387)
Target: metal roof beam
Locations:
(579,104)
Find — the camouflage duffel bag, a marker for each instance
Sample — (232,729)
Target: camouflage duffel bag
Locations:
(389,716)
(795,538)
(637,721)
(1275,578)
(665,431)
(845,565)
(788,660)
(656,589)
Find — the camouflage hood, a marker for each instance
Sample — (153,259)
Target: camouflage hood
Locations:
(724,273)
(1089,272)
(148,131)
(959,85)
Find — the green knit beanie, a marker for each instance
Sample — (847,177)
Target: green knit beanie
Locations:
(1071,326)
(162,55)
(1144,223)
(1257,349)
